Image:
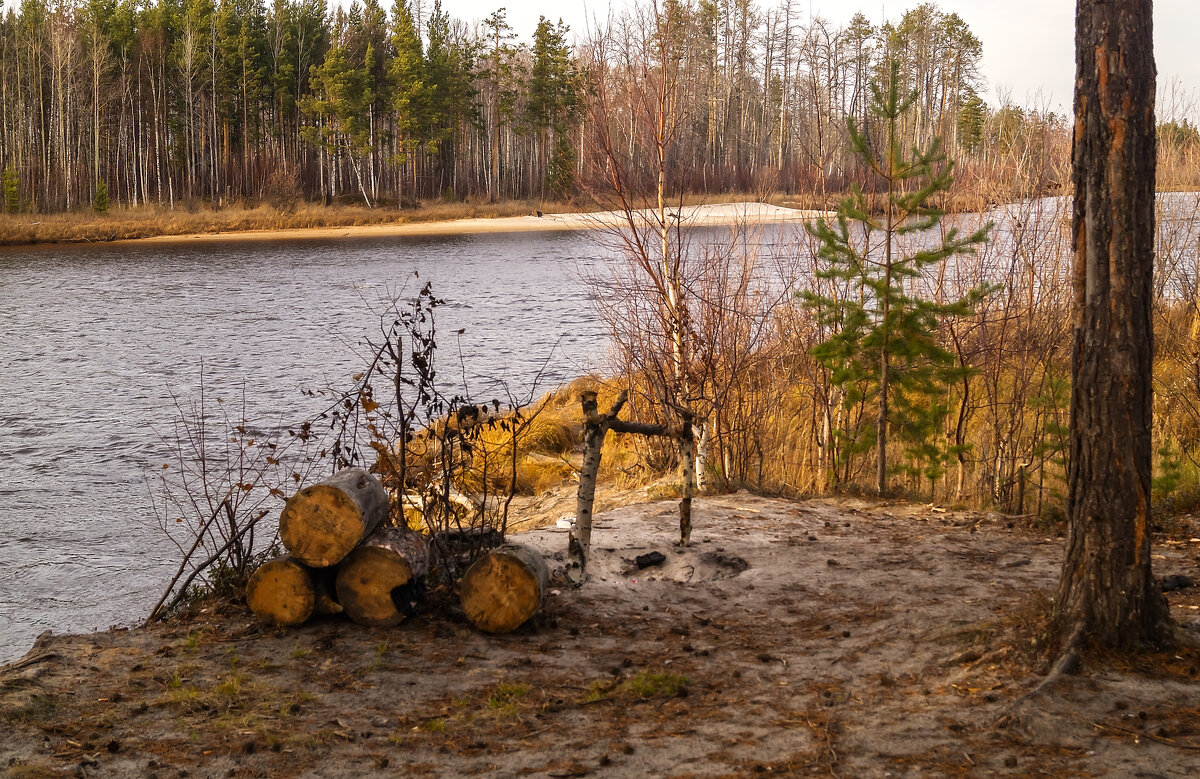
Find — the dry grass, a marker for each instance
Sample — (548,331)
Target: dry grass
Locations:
(150,221)
(190,219)
(546,443)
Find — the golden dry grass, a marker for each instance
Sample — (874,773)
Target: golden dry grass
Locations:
(151,221)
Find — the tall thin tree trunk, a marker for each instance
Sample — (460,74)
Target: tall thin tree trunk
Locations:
(881,422)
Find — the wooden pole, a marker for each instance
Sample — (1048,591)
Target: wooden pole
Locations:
(596,427)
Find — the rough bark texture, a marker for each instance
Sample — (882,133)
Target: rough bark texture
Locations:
(687,457)
(1107,586)
(504,588)
(321,523)
(381,581)
(286,592)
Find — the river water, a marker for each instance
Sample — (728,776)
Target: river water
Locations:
(96,341)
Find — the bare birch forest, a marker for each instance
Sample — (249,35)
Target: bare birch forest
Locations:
(187,102)
(713,333)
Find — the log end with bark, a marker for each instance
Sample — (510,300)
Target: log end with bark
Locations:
(285,592)
(383,579)
(504,588)
(321,523)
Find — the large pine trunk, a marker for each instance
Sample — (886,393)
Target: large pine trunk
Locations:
(381,581)
(504,588)
(321,523)
(1107,594)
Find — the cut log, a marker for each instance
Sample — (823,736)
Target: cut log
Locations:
(381,581)
(286,592)
(321,523)
(504,588)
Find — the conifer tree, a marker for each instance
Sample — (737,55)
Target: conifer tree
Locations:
(341,99)
(100,200)
(883,350)
(499,72)
(10,183)
(450,96)
(407,82)
(552,99)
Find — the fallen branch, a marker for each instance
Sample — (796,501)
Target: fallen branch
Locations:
(28,661)
(1151,736)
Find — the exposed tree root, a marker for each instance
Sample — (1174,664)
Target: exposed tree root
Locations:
(1067,662)
(1182,636)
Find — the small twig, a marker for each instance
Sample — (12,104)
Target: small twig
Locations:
(1151,736)
(154,612)
(200,568)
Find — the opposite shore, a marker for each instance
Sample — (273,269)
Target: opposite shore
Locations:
(314,223)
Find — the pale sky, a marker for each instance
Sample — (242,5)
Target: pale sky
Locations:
(1028,45)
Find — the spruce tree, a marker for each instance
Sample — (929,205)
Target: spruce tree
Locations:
(341,99)
(883,352)
(12,193)
(409,90)
(100,199)
(450,96)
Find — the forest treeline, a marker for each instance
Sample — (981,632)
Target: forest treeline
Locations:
(182,101)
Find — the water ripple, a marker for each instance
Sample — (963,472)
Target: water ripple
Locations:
(98,341)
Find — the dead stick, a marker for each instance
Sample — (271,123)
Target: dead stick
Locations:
(1151,736)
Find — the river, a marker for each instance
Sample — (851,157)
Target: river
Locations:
(96,341)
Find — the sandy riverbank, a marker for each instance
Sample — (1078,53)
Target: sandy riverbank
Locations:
(831,637)
(711,215)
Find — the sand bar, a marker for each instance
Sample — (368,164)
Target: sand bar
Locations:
(756,214)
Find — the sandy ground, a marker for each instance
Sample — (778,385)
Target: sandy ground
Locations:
(690,216)
(826,637)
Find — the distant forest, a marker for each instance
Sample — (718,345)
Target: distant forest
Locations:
(182,101)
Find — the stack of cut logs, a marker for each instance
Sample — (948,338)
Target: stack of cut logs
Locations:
(343,558)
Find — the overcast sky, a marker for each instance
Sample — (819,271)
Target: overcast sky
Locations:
(1028,45)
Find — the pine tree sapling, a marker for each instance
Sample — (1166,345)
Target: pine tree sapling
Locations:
(883,346)
(100,200)
(10,183)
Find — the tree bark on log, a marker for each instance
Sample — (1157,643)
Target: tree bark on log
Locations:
(381,581)
(504,588)
(1107,587)
(321,523)
(286,592)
